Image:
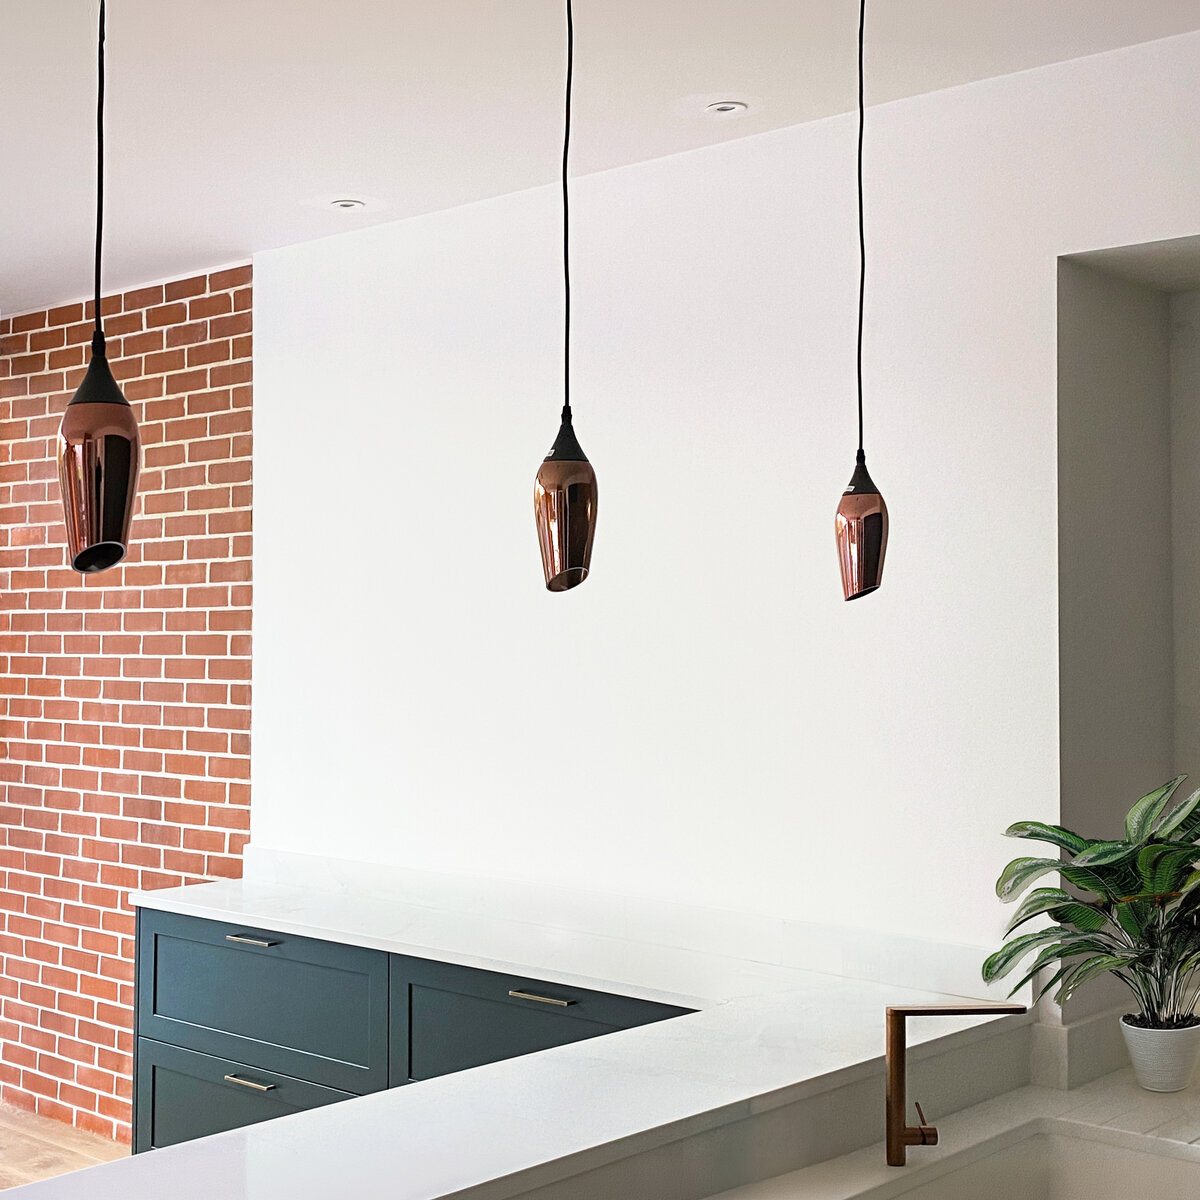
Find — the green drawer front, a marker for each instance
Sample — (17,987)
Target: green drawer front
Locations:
(184,1095)
(309,1009)
(448,1018)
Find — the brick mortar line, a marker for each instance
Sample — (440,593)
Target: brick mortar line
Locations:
(27,741)
(193,656)
(219,805)
(164,540)
(144,516)
(163,283)
(139,726)
(63,396)
(151,608)
(116,359)
(208,777)
(109,839)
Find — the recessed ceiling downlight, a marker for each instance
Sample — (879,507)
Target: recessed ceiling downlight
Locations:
(726,108)
(348,201)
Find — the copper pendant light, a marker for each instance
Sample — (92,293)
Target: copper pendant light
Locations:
(564,496)
(99,449)
(861,525)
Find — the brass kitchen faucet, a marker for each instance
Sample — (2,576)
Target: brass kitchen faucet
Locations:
(900,1134)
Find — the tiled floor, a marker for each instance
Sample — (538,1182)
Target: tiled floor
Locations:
(33,1148)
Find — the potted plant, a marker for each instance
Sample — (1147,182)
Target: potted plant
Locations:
(1133,912)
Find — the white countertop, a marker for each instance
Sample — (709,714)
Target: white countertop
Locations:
(764,1036)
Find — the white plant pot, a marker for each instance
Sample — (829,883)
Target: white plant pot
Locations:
(1164,1060)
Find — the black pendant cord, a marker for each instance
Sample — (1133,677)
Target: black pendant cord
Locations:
(98,336)
(566,225)
(862,237)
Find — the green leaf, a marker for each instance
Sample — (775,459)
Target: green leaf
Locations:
(1021,872)
(1188,830)
(1063,907)
(1147,859)
(1172,821)
(1179,947)
(1044,958)
(1047,956)
(1103,854)
(1040,900)
(1132,916)
(1099,942)
(1095,881)
(1172,869)
(1085,917)
(1143,815)
(1190,884)
(1056,835)
(997,965)
(1088,969)
(1049,983)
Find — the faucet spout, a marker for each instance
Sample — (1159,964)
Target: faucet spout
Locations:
(900,1134)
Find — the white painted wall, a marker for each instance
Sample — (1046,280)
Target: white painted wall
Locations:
(704,719)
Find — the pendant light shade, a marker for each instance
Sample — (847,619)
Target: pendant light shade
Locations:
(99,450)
(862,529)
(564,495)
(564,503)
(98,455)
(861,524)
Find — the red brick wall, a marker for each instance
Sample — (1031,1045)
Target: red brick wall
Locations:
(125,697)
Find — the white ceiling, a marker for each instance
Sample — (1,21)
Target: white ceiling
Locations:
(231,123)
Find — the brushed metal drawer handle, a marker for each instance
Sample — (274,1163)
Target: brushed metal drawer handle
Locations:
(541,999)
(258,1087)
(241,939)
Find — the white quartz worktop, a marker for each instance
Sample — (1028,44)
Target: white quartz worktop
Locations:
(764,1036)
(474,940)
(481,938)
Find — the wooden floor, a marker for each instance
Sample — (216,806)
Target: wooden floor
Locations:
(33,1148)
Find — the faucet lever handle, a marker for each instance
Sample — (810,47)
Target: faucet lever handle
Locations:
(927,1132)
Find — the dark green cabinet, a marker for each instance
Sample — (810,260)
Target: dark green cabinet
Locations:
(448,1018)
(184,1095)
(235,1025)
(311,1009)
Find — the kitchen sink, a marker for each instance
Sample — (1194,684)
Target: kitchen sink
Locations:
(1051,1160)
